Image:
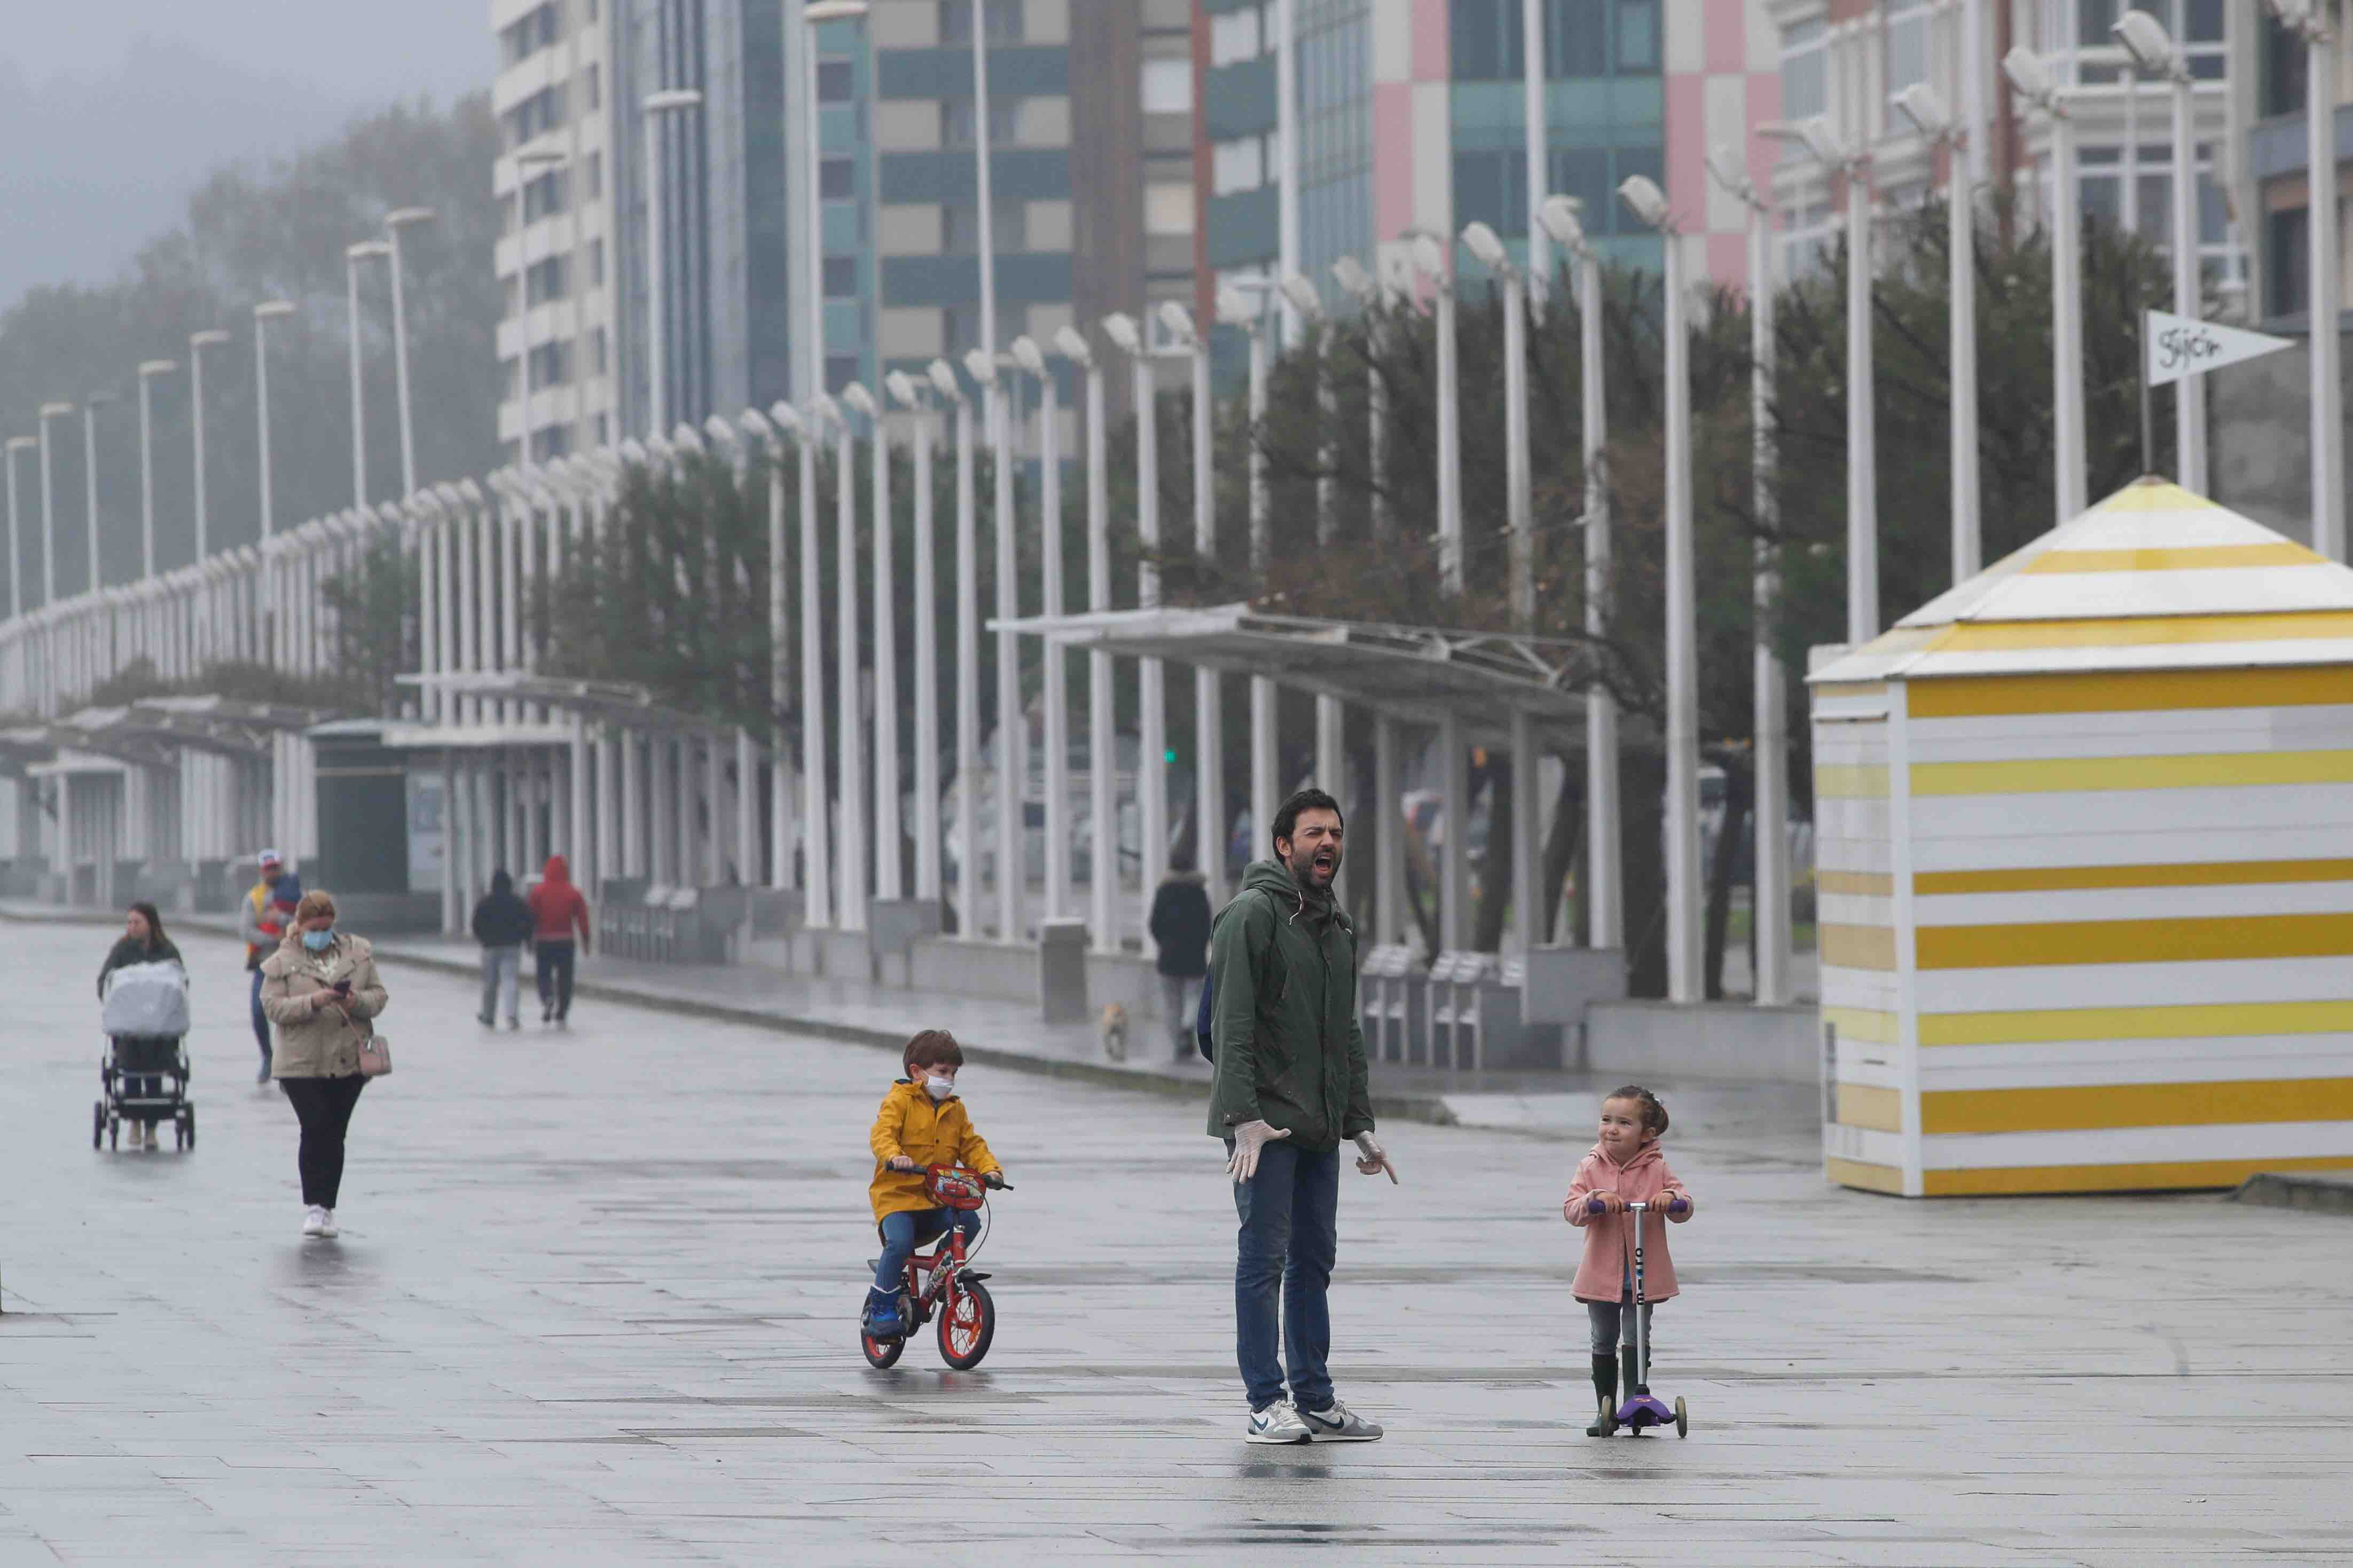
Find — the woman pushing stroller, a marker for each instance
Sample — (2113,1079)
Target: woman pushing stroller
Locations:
(144,1022)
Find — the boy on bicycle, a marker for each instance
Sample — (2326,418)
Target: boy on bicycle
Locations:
(921,1124)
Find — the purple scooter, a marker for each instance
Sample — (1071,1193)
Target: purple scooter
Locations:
(1642,1409)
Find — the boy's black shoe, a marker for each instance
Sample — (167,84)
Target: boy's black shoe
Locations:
(1605,1392)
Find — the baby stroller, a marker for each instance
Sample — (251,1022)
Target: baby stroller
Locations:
(145,1072)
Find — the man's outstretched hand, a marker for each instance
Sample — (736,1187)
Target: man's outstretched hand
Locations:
(1372,1160)
(1249,1138)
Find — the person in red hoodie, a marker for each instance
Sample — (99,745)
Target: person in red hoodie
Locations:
(557,910)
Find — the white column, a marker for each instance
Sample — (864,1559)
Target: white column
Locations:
(714,811)
(2326,304)
(1685,979)
(1770,879)
(817,880)
(780,678)
(2189,392)
(1151,675)
(747,809)
(1209,696)
(2066,331)
(968,677)
(1056,661)
(1012,724)
(927,675)
(1265,788)
(888,880)
(1604,899)
(1528,914)
(633,805)
(1103,742)
(1454,865)
(1862,476)
(849,716)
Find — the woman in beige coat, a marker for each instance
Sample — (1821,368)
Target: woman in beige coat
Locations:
(321,989)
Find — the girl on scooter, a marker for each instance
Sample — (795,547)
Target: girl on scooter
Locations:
(1625,1166)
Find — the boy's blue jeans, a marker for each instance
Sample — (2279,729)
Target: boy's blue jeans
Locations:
(1289,1238)
(909,1229)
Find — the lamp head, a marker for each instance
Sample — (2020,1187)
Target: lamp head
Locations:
(56,410)
(981,367)
(719,430)
(271,309)
(634,451)
(943,376)
(1486,247)
(1236,309)
(659,446)
(22,443)
(903,389)
(1428,252)
(1724,166)
(1176,321)
(147,367)
(824,409)
(2144,37)
(1122,330)
(208,338)
(2028,74)
(1924,109)
(1071,344)
(672,98)
(367,250)
(401,217)
(1303,298)
(817,11)
(465,491)
(758,426)
(858,399)
(686,438)
(1350,274)
(784,416)
(1642,196)
(1026,354)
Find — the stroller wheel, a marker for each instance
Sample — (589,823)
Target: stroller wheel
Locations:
(114,1133)
(188,1125)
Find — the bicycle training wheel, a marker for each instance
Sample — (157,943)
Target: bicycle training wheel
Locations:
(967,1324)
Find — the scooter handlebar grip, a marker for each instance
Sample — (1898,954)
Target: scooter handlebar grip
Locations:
(1679,1205)
(1595,1205)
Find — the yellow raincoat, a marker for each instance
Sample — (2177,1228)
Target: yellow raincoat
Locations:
(909,1123)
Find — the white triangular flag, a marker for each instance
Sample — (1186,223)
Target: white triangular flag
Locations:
(2173,347)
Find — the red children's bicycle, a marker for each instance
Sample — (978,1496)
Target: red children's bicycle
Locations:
(944,1281)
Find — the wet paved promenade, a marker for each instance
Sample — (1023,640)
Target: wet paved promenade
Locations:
(593,1301)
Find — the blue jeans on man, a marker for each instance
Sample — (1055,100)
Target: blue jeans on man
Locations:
(1282,1274)
(908,1230)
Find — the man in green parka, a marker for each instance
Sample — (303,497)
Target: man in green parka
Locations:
(1291,1087)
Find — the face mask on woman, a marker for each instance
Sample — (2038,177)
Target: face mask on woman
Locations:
(318,940)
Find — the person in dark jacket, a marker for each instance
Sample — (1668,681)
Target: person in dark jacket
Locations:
(143,942)
(1291,1087)
(503,923)
(1180,925)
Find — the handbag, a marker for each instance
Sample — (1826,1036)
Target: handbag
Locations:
(375,1057)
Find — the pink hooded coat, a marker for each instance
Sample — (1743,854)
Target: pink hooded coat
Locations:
(1609,1259)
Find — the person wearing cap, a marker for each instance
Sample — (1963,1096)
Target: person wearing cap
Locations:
(262,930)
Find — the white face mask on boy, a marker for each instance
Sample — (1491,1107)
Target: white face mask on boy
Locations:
(939,1087)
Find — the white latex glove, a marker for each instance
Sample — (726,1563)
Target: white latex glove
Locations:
(1249,1138)
(1371,1159)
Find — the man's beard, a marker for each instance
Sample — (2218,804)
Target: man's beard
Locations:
(1326,862)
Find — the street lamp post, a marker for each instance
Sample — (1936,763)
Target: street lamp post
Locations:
(1032,359)
(1331,764)
(968,657)
(1433,256)
(1520,509)
(94,623)
(394,222)
(2035,83)
(1012,754)
(1102,751)
(850,759)
(197,343)
(366,250)
(1921,105)
(912,394)
(1605,902)
(1769,724)
(1236,309)
(769,429)
(887,881)
(1152,710)
(2152,49)
(50,556)
(2310,21)
(16,538)
(1684,979)
(1209,696)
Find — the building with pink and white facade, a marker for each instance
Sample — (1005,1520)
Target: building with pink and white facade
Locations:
(1412,115)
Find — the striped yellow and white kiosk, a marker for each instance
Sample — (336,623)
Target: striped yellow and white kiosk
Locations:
(2084,851)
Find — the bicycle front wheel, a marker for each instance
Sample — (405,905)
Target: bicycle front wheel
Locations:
(967,1324)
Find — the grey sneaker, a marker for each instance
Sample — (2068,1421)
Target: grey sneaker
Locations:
(1339,1425)
(1277,1423)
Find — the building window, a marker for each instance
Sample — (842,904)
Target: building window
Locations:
(837,179)
(1591,174)
(604,430)
(2100,179)
(520,40)
(1637,23)
(840,370)
(1168,87)
(1582,38)
(1004,21)
(595,264)
(960,330)
(544,281)
(958,123)
(596,88)
(597,361)
(1238,165)
(960,229)
(1805,79)
(544,196)
(542,112)
(596,176)
(2196,25)
(1905,30)
(840,276)
(551,364)
(2287,237)
(837,81)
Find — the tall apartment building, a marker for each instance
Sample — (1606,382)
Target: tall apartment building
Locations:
(1091,120)
(2268,99)
(1411,114)
(1848,59)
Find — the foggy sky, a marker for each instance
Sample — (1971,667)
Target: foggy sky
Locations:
(130,104)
